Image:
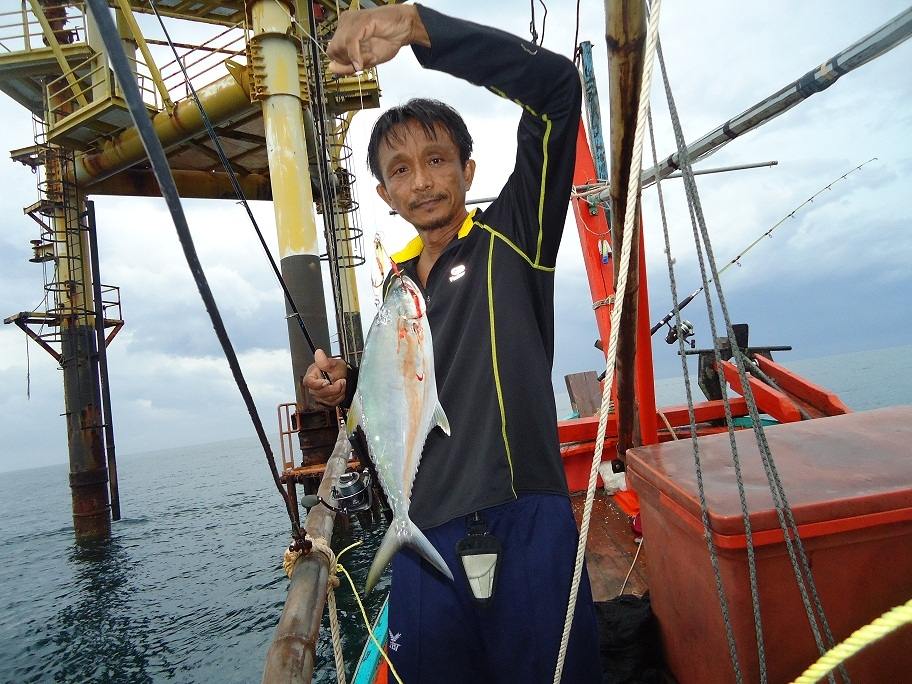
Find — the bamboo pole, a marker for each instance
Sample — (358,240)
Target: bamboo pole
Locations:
(291,656)
(625,33)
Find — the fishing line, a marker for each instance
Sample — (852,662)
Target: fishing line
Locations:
(328,193)
(768,233)
(238,191)
(370,631)
(159,163)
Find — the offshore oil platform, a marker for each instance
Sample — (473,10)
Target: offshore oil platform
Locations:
(255,76)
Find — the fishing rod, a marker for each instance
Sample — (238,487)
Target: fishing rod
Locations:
(160,167)
(768,233)
(235,184)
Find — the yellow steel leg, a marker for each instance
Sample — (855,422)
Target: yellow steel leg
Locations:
(277,79)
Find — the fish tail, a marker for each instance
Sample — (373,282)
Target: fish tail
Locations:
(403,532)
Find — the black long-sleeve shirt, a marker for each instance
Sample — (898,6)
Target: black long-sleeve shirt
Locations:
(490,295)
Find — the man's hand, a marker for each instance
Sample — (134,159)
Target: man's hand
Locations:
(366,38)
(323,391)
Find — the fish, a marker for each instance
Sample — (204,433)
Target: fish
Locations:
(396,405)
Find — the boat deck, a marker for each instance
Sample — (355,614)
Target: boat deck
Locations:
(610,550)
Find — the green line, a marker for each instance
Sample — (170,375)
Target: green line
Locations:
(546,269)
(500,401)
(544,173)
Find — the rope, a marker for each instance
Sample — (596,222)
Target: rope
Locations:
(320,545)
(698,466)
(633,188)
(671,430)
(803,575)
(861,638)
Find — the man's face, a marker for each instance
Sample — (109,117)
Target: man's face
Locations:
(423,177)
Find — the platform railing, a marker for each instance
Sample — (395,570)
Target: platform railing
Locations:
(83,84)
(205,62)
(21,31)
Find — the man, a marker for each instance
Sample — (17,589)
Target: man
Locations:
(488,281)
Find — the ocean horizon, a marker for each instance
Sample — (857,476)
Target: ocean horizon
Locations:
(190,588)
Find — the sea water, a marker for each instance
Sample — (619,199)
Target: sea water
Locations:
(191,587)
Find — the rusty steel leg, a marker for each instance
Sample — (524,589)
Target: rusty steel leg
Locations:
(88,469)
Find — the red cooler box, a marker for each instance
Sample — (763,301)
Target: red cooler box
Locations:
(848,480)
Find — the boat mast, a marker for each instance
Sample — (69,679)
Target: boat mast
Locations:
(625,32)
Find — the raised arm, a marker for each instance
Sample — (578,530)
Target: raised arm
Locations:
(544,84)
(547,87)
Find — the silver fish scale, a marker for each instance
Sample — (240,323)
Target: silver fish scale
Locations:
(396,404)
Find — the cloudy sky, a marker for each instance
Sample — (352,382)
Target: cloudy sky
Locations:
(836,278)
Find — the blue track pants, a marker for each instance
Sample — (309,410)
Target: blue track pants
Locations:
(440,635)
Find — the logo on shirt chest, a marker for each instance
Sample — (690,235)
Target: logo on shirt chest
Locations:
(457,272)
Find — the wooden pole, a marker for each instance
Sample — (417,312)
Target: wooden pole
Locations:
(625,33)
(291,656)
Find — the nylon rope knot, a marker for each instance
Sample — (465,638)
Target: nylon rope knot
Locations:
(290,559)
(318,544)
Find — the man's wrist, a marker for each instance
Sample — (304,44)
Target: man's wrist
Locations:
(418,34)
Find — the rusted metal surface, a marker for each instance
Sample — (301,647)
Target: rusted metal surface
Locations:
(88,469)
(303,472)
(625,28)
(190,184)
(291,656)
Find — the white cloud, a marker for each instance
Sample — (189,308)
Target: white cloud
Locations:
(171,385)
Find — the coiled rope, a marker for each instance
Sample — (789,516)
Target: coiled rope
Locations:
(633,188)
(857,640)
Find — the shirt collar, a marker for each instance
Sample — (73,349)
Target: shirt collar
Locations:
(415,245)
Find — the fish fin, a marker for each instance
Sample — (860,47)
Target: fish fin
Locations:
(403,532)
(441,419)
(353,419)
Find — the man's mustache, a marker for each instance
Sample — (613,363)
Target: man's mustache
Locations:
(414,204)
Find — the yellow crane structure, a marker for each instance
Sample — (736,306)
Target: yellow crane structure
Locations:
(255,78)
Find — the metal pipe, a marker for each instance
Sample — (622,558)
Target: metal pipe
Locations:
(82,400)
(278,82)
(871,46)
(224,99)
(291,656)
(718,169)
(101,357)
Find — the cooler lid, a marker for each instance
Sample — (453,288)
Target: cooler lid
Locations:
(854,466)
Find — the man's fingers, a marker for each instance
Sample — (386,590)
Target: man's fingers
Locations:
(339,69)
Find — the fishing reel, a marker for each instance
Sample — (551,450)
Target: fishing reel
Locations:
(685,332)
(353,495)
